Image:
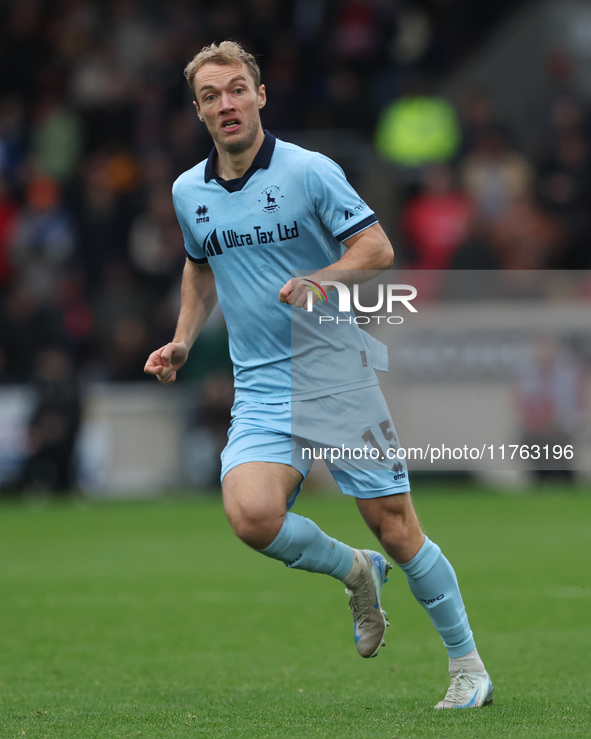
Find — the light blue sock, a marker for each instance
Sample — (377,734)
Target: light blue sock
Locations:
(434,584)
(301,544)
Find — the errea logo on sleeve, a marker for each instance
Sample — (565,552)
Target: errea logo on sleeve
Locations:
(201,213)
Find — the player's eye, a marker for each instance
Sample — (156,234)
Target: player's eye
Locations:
(239,90)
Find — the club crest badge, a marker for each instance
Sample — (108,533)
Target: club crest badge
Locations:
(270,198)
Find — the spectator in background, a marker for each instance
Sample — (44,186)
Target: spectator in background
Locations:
(121,311)
(560,107)
(185,143)
(524,236)
(43,238)
(53,426)
(75,317)
(102,92)
(551,403)
(479,114)
(564,179)
(494,175)
(56,144)
(128,341)
(418,128)
(564,175)
(207,433)
(8,217)
(26,326)
(283,77)
(102,217)
(156,246)
(437,220)
(12,141)
(345,89)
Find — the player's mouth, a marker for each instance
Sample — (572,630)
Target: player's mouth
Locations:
(230,125)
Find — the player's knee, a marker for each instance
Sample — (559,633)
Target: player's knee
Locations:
(401,536)
(255,527)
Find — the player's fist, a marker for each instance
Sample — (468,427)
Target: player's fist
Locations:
(296,291)
(285,292)
(164,362)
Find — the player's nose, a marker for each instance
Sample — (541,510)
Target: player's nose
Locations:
(226,102)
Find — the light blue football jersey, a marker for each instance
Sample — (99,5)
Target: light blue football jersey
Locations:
(290,211)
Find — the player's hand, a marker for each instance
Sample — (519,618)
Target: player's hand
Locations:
(295,292)
(166,361)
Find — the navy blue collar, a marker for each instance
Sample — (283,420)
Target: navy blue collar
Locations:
(262,160)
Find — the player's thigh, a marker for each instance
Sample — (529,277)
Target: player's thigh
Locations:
(259,490)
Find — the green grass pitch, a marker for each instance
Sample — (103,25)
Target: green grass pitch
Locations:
(149,619)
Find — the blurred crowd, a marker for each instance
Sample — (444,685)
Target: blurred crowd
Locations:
(96,122)
(500,203)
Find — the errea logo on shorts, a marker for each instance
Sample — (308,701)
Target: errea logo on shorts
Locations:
(388,296)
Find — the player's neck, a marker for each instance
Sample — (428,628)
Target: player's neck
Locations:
(230,165)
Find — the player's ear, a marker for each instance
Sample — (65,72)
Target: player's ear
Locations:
(198,111)
(262,97)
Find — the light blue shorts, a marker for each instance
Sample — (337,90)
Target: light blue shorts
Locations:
(297,433)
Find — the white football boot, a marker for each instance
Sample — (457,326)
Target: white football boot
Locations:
(364,593)
(468,690)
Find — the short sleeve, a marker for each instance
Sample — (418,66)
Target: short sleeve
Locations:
(335,202)
(183,210)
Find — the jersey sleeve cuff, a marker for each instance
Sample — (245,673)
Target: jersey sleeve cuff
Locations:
(361,226)
(195,260)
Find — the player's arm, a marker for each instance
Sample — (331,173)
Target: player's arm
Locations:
(369,250)
(368,253)
(198,298)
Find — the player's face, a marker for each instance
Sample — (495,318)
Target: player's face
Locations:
(229,105)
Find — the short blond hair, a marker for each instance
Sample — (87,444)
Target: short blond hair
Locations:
(226,52)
